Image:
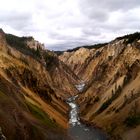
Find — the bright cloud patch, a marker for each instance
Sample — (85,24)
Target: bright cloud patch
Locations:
(63,24)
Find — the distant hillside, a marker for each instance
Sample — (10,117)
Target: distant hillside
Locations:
(95,46)
(130,38)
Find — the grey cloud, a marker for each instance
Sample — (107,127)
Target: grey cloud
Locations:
(69,44)
(91,18)
(111,5)
(100,10)
(16,20)
(95,23)
(66,45)
(91,31)
(95,13)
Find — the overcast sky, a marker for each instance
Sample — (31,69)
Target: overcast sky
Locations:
(63,24)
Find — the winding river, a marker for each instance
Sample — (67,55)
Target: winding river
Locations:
(78,130)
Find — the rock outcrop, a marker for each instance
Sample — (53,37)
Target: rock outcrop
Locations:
(111,96)
(77,59)
(34,84)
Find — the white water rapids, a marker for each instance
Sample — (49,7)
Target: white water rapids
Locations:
(78,130)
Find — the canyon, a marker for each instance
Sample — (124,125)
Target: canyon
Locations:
(33,87)
(111,71)
(37,86)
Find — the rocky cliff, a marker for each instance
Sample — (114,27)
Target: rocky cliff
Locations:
(111,97)
(34,84)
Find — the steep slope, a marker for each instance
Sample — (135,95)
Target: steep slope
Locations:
(78,59)
(33,88)
(111,73)
(111,97)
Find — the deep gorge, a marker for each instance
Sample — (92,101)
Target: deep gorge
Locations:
(99,83)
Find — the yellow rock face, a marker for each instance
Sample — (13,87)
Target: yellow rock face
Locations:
(111,96)
(32,91)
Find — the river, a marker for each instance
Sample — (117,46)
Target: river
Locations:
(78,130)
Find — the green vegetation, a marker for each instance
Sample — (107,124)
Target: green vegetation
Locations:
(128,100)
(127,79)
(16,41)
(130,38)
(114,96)
(20,44)
(96,99)
(132,121)
(111,128)
(95,46)
(133,118)
(104,105)
(41,115)
(49,58)
(59,52)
